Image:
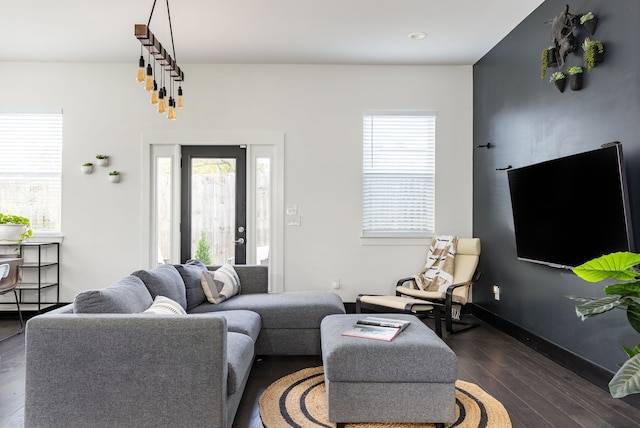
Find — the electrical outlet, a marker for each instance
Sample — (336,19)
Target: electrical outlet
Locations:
(293,220)
(335,283)
(496,292)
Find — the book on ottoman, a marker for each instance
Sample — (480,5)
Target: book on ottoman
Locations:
(377,328)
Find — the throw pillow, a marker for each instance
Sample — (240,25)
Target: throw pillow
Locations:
(165,306)
(191,273)
(221,284)
(164,281)
(127,296)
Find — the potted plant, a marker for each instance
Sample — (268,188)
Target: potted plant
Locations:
(103,160)
(589,21)
(548,59)
(558,78)
(593,53)
(621,266)
(575,77)
(14,228)
(87,168)
(114,176)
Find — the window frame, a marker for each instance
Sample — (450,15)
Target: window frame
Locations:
(44,115)
(395,236)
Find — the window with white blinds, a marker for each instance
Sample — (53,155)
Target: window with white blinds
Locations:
(31,168)
(398,174)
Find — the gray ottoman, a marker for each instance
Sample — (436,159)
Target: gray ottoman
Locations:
(410,379)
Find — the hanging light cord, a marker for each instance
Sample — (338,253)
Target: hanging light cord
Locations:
(173,46)
(151,14)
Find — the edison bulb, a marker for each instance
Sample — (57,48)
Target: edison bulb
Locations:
(180,101)
(161,102)
(171,115)
(154,94)
(149,82)
(141,69)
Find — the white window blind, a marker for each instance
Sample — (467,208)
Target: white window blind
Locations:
(31,168)
(398,174)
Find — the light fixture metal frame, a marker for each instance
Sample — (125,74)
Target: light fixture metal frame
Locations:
(159,53)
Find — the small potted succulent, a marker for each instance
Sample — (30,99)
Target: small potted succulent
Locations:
(87,168)
(103,160)
(589,21)
(558,78)
(575,77)
(114,176)
(593,53)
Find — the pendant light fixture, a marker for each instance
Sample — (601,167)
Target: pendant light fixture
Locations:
(168,67)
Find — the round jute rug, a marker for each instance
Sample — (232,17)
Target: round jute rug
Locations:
(299,400)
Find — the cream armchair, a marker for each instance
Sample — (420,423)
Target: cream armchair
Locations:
(409,298)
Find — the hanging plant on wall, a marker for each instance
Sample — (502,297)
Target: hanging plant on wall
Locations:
(548,59)
(563,35)
(593,53)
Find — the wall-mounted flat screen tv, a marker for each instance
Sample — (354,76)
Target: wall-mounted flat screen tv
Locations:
(570,210)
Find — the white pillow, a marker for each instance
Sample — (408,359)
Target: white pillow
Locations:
(221,284)
(165,306)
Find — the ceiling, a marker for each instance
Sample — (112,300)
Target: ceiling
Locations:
(261,31)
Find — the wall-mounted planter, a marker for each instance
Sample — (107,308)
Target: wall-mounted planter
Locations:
(589,21)
(102,161)
(559,79)
(575,78)
(575,82)
(87,168)
(114,177)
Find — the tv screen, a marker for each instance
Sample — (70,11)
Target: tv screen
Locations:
(570,210)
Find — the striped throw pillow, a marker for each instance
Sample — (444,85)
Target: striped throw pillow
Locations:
(221,284)
(165,306)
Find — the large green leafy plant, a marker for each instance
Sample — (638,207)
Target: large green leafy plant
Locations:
(622,266)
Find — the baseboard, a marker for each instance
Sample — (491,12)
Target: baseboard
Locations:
(28,311)
(350,307)
(594,373)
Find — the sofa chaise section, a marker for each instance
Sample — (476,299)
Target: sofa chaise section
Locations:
(108,370)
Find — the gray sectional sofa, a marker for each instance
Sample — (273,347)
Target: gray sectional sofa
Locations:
(101,362)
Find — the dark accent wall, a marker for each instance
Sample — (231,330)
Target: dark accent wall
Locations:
(527,120)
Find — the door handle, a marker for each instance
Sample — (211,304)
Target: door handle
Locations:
(239,241)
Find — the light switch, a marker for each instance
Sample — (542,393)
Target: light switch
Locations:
(292,209)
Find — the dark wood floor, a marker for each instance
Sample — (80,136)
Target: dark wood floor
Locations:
(535,391)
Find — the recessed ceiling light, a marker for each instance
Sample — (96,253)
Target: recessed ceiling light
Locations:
(417,36)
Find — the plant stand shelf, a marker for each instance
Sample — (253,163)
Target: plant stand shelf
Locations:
(40,271)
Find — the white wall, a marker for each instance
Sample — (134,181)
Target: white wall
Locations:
(319,108)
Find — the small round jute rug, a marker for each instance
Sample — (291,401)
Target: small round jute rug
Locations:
(299,400)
